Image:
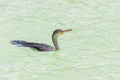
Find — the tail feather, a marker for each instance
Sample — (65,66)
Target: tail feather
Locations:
(19,43)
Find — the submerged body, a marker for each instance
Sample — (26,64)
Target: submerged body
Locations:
(36,46)
(41,46)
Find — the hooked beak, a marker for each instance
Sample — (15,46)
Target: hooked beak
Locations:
(64,31)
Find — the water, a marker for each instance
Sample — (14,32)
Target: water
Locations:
(90,52)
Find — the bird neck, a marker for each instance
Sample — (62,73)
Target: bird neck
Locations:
(55,42)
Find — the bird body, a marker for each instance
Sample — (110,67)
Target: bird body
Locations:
(41,46)
(36,46)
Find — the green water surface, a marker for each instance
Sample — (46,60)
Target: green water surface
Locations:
(90,52)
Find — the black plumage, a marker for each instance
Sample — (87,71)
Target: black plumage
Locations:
(41,46)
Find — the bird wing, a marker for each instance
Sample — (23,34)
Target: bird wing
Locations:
(43,47)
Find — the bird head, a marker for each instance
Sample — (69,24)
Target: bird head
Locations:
(59,32)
